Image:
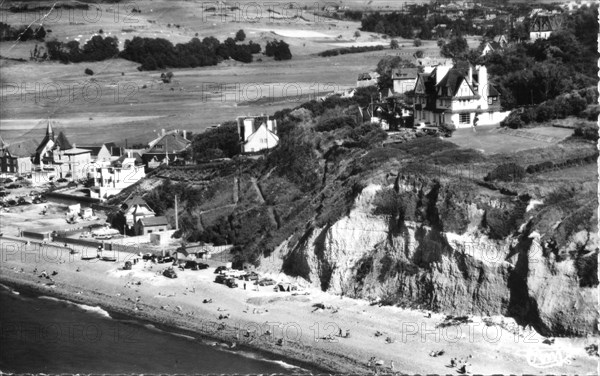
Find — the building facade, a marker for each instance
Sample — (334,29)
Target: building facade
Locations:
(457,98)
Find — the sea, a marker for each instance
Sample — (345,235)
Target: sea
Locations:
(41,334)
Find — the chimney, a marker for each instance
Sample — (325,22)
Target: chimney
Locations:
(483,81)
(270,125)
(128,153)
(184,134)
(74,145)
(470,75)
(162,132)
(248,128)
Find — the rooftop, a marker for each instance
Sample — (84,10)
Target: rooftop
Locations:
(154,221)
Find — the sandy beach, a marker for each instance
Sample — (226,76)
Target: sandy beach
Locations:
(288,324)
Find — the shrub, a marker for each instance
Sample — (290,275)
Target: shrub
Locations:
(587,132)
(89,72)
(502,223)
(336,123)
(279,50)
(240,36)
(506,172)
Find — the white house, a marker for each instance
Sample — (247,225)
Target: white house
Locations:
(457,97)
(112,179)
(404,79)
(135,208)
(259,138)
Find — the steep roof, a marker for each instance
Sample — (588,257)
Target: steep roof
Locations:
(94,150)
(492,92)
(75,151)
(134,200)
(25,148)
(452,80)
(171,142)
(154,221)
(62,141)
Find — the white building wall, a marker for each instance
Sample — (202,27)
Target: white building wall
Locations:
(260,140)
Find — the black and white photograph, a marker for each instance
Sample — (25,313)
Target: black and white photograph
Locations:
(344,187)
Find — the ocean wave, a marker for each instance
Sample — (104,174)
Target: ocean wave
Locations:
(94,309)
(9,289)
(85,307)
(154,328)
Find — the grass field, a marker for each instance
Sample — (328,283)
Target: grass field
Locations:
(490,140)
(132,104)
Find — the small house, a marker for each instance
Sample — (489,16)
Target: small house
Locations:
(86,213)
(148,225)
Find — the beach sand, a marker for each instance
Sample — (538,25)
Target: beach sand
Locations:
(259,319)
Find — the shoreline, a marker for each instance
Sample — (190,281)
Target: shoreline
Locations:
(145,295)
(29,289)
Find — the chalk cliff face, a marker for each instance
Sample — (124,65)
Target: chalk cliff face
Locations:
(443,260)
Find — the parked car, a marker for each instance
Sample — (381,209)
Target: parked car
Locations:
(221,278)
(250,276)
(266,282)
(170,273)
(220,269)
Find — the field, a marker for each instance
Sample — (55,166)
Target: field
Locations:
(491,140)
(129,104)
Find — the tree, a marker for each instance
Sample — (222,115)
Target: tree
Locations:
(394,44)
(456,48)
(356,34)
(417,42)
(279,50)
(419,54)
(89,72)
(240,36)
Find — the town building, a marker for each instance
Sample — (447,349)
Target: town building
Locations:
(456,97)
(104,154)
(166,148)
(148,225)
(404,79)
(542,25)
(135,208)
(255,138)
(109,180)
(15,158)
(73,163)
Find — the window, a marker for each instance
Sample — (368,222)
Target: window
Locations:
(159,147)
(464,118)
(490,100)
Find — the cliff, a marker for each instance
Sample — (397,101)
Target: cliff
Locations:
(448,262)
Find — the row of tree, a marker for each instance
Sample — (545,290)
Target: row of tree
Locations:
(23,33)
(159,53)
(95,49)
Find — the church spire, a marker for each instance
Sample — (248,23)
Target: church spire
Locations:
(49,131)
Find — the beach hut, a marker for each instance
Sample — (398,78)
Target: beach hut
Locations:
(286,287)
